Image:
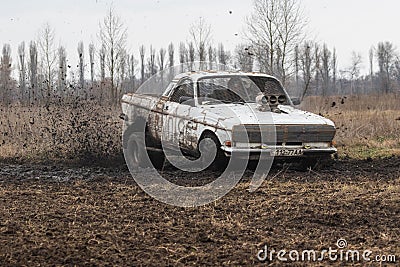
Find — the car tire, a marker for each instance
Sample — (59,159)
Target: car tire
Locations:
(157,159)
(135,152)
(209,142)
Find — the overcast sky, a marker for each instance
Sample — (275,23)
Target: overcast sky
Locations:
(348,25)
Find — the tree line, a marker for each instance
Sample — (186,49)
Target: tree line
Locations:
(276,43)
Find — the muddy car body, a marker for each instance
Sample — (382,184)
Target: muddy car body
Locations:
(253,116)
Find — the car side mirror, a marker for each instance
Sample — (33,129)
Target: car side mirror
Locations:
(186,100)
(296,101)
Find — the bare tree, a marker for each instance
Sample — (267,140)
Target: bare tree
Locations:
(122,70)
(142,51)
(161,64)
(62,69)
(325,69)
(91,61)
(102,56)
(356,60)
(161,59)
(307,66)
(132,62)
(274,29)
(297,66)
(113,35)
(262,32)
(354,69)
(48,55)
(22,69)
(396,71)
(152,62)
(334,69)
(171,51)
(191,55)
(200,34)
(81,51)
(317,60)
(243,57)
(279,71)
(33,71)
(385,53)
(222,57)
(371,62)
(262,54)
(371,67)
(212,55)
(5,74)
(182,54)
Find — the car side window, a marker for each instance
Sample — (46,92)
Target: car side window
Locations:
(183,89)
(169,88)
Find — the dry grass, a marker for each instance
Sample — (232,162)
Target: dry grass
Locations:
(367,126)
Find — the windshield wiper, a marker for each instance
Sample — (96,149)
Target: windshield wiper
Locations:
(238,102)
(210,102)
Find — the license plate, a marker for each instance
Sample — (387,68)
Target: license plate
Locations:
(287,152)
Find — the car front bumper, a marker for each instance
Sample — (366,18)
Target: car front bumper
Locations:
(279,152)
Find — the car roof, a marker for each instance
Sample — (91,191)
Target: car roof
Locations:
(196,75)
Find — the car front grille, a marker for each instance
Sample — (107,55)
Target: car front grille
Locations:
(278,134)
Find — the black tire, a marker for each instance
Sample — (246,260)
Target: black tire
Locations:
(208,143)
(136,152)
(139,157)
(157,159)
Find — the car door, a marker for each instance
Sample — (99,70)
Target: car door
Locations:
(157,116)
(178,114)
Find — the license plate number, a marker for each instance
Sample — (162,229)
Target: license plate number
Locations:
(287,152)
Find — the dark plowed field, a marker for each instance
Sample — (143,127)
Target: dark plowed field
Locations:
(51,215)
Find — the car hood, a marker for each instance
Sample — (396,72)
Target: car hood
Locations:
(235,114)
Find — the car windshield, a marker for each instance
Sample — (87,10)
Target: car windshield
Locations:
(236,89)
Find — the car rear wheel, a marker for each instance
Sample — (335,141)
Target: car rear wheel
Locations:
(138,157)
(135,150)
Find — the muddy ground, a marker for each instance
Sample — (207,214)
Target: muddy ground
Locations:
(54,215)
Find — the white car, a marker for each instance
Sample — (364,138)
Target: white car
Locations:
(239,113)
